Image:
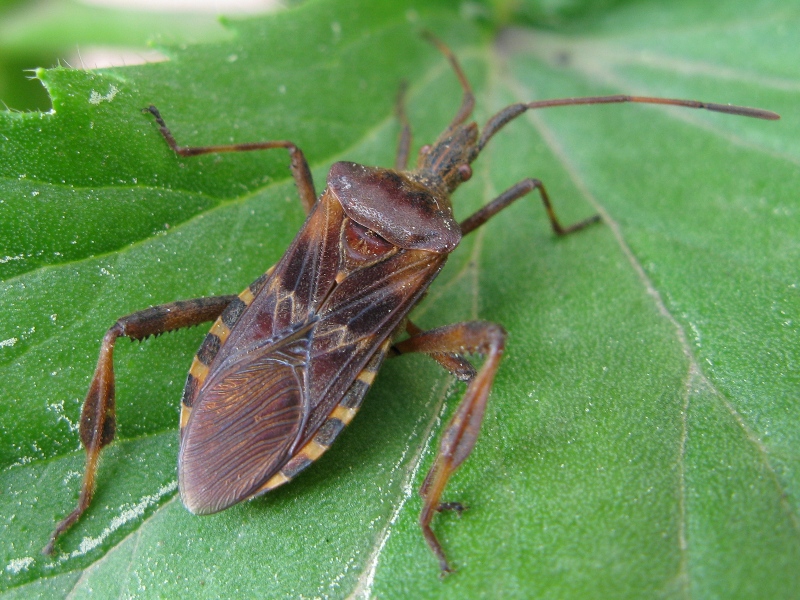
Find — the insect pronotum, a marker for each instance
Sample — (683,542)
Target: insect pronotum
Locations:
(288,361)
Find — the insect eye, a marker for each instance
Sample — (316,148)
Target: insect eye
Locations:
(465,171)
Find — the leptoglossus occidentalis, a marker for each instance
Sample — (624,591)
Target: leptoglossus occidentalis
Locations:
(288,361)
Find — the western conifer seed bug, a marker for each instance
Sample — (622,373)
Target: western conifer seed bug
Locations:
(288,361)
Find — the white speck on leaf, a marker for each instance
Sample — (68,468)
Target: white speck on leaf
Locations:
(16,565)
(9,342)
(96,98)
(128,514)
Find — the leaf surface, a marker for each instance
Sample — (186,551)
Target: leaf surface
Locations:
(642,436)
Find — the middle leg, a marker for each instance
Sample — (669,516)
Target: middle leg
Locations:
(299,165)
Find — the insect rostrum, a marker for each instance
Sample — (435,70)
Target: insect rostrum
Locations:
(289,360)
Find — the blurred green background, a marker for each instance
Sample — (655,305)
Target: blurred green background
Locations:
(104,33)
(45,33)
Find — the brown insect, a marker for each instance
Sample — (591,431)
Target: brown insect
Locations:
(288,361)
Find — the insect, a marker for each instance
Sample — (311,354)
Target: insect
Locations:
(289,360)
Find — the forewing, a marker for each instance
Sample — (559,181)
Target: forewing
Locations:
(240,433)
(292,354)
(294,291)
(250,405)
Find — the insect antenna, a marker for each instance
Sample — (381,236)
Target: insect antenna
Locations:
(468,99)
(404,143)
(509,113)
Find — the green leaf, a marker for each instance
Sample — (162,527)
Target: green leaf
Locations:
(51,32)
(643,431)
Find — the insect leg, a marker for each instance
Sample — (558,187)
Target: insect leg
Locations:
(456,364)
(515,192)
(299,165)
(461,433)
(98,417)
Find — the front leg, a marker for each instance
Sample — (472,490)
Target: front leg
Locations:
(298,165)
(461,433)
(98,417)
(515,192)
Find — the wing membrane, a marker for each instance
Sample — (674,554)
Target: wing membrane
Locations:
(297,287)
(242,431)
